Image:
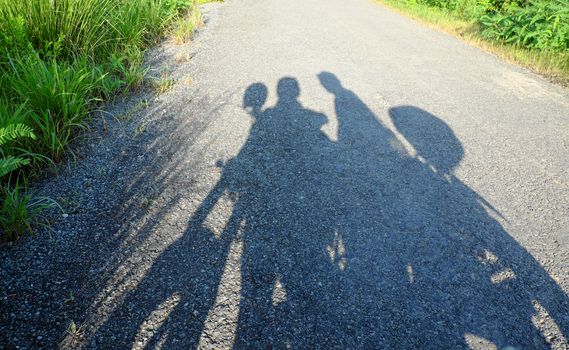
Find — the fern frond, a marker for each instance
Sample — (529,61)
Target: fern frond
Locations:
(11,163)
(13,131)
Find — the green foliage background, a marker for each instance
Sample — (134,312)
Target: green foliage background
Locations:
(532,24)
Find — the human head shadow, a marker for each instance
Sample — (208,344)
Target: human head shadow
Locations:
(187,274)
(485,283)
(354,243)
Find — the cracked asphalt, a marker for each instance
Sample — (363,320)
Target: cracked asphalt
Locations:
(324,174)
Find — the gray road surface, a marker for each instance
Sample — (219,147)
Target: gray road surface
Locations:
(325,174)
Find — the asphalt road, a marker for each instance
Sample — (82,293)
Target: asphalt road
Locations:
(335,175)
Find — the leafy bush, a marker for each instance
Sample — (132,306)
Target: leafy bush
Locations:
(531,24)
(501,6)
(539,25)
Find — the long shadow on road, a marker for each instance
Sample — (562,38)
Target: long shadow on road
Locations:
(343,244)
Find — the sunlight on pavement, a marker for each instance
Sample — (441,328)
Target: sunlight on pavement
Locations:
(220,326)
(155,320)
(488,257)
(475,342)
(219,215)
(548,327)
(410,273)
(279,292)
(502,276)
(337,250)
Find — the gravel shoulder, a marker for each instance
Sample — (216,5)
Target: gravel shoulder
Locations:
(321,175)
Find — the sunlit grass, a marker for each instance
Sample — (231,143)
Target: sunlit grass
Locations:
(184,26)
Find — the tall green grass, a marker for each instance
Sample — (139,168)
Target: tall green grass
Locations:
(58,60)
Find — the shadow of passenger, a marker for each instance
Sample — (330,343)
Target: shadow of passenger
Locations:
(470,281)
(357,243)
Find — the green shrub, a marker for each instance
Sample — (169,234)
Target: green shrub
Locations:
(530,24)
(500,6)
(539,25)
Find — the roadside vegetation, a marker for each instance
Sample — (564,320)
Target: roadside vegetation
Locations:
(533,33)
(59,61)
